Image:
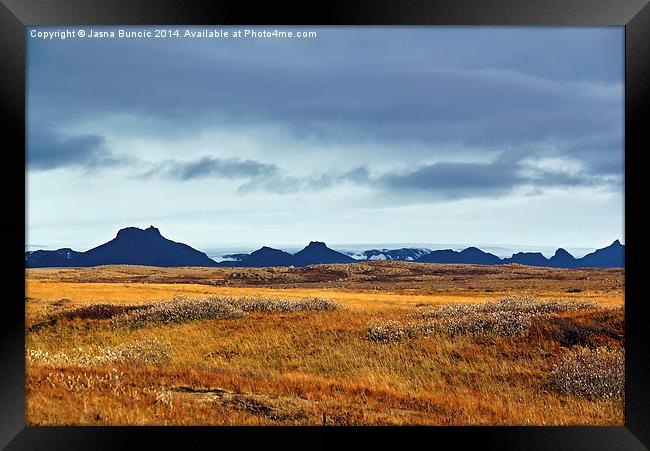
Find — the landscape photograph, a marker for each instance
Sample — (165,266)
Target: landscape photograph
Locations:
(325,226)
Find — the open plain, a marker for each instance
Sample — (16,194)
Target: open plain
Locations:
(354,344)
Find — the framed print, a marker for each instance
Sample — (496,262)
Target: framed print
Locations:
(340,222)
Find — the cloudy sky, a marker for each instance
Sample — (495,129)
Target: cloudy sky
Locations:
(360,135)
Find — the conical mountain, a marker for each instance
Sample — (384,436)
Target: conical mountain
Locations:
(134,246)
(317,252)
(562,259)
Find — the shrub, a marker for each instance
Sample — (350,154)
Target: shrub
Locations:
(583,331)
(507,317)
(503,317)
(264,304)
(182,309)
(525,305)
(91,311)
(177,311)
(476,324)
(96,311)
(587,372)
(391,331)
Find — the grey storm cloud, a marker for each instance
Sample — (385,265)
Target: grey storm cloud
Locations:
(280,183)
(231,168)
(369,133)
(455,180)
(50,151)
(425,84)
(356,176)
(548,92)
(257,175)
(443,180)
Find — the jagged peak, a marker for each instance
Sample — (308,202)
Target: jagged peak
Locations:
(316,244)
(153,229)
(562,252)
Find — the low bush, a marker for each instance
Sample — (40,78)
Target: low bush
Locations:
(177,311)
(264,304)
(588,372)
(524,305)
(586,331)
(182,309)
(392,331)
(96,311)
(507,317)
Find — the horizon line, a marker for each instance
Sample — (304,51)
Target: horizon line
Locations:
(372,245)
(369,246)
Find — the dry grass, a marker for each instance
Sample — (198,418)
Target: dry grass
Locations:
(289,360)
(149,351)
(383,275)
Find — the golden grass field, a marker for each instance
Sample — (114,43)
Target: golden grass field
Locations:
(382,356)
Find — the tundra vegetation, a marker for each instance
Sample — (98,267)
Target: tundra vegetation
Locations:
(372,343)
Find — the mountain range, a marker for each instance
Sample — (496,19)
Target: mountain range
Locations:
(134,246)
(612,256)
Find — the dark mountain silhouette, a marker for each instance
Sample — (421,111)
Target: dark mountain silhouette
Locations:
(471,255)
(318,252)
(65,257)
(315,252)
(132,246)
(265,256)
(562,259)
(612,256)
(607,257)
(475,255)
(441,256)
(528,258)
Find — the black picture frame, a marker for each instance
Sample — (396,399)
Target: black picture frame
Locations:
(16,15)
